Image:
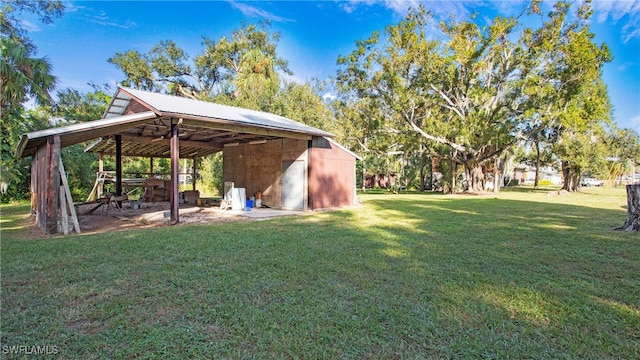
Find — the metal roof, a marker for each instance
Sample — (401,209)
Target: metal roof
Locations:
(167,104)
(143,120)
(77,133)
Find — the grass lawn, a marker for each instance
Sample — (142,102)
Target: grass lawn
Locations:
(517,275)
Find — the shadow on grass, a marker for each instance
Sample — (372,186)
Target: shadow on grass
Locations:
(401,276)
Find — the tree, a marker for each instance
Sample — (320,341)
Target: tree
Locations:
(211,74)
(624,151)
(460,93)
(22,77)
(256,76)
(566,95)
(75,107)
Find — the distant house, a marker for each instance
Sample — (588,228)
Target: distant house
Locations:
(526,174)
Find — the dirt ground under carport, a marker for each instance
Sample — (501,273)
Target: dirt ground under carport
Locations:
(156,214)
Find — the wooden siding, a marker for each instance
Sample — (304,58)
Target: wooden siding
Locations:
(45,185)
(258,167)
(332,180)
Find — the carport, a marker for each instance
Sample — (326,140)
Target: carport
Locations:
(261,151)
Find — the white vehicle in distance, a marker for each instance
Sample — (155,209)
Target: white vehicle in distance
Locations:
(591,182)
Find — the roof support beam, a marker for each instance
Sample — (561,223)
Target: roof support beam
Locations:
(166,142)
(119,166)
(175,157)
(248,129)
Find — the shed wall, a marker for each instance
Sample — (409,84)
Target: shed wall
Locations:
(258,167)
(332,180)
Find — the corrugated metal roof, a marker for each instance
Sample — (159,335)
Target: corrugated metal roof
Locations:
(168,104)
(144,119)
(77,133)
(118,105)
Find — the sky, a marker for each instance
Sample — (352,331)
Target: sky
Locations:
(313,35)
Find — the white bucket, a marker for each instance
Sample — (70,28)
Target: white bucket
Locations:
(258,203)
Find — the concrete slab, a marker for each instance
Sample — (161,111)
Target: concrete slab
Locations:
(261,213)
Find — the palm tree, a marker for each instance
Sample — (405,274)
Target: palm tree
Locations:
(21,76)
(256,74)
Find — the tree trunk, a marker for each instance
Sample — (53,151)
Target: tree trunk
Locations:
(496,176)
(535,181)
(477,178)
(453,177)
(364,174)
(422,164)
(633,209)
(571,178)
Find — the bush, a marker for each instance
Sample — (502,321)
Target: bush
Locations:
(544,182)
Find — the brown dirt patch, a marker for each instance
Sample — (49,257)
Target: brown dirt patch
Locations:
(147,216)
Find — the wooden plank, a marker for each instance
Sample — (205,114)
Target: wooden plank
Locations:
(69,200)
(64,218)
(52,184)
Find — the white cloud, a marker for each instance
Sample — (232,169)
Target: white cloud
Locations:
(401,6)
(29,26)
(252,11)
(123,25)
(329,97)
(620,10)
(70,7)
(103,19)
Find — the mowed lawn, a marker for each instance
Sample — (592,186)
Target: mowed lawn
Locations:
(517,275)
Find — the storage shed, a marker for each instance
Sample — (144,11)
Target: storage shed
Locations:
(294,166)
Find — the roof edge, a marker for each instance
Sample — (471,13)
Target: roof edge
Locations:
(41,134)
(343,148)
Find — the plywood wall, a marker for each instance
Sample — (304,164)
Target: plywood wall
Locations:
(258,167)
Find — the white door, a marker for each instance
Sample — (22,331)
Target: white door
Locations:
(293,185)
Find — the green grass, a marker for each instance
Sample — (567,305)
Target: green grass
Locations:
(517,275)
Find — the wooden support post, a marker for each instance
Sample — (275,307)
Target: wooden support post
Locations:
(51,197)
(175,173)
(195,173)
(67,200)
(151,167)
(118,165)
(100,189)
(64,217)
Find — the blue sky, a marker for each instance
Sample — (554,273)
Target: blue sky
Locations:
(314,34)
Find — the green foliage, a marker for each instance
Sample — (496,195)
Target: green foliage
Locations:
(475,91)
(457,93)
(81,168)
(210,171)
(74,107)
(545,182)
(23,76)
(227,67)
(15,172)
